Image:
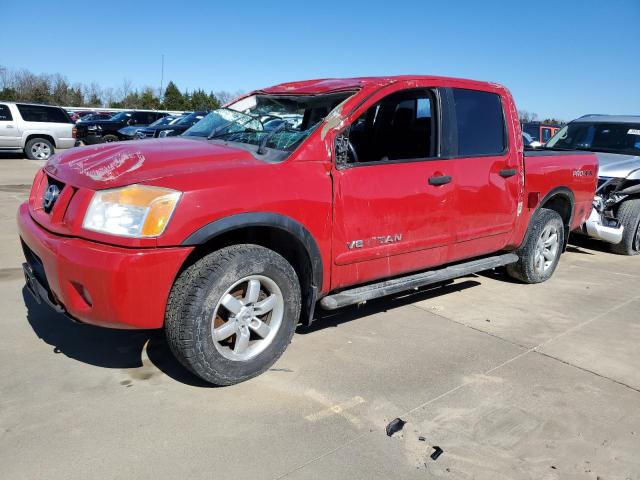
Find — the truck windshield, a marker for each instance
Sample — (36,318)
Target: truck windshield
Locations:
(283,120)
(621,138)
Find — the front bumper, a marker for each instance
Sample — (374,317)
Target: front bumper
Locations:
(99,284)
(594,228)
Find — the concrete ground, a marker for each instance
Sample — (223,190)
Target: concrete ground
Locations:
(511,381)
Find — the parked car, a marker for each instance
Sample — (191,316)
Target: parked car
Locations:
(541,132)
(616,140)
(93,116)
(172,129)
(131,132)
(106,131)
(37,130)
(529,141)
(228,235)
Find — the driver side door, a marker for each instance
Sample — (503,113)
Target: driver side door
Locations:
(393,196)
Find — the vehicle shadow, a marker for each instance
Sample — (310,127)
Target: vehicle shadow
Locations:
(582,243)
(325,319)
(125,349)
(104,347)
(12,156)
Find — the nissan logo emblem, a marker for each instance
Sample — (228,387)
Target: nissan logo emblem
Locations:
(50,197)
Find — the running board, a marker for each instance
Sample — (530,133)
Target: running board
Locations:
(396,285)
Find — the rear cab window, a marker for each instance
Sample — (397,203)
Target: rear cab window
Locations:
(42,113)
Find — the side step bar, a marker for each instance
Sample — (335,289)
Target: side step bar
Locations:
(396,285)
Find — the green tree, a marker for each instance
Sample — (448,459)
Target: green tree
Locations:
(8,94)
(173,98)
(201,101)
(149,100)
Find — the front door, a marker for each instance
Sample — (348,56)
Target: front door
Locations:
(392,195)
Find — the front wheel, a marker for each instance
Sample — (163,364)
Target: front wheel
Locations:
(232,314)
(629,216)
(540,253)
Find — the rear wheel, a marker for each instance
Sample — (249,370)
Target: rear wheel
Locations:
(109,138)
(629,216)
(38,149)
(232,313)
(540,253)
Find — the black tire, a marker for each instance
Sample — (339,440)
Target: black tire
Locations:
(197,293)
(34,142)
(110,138)
(525,268)
(629,216)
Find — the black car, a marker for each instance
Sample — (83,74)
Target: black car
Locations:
(172,129)
(131,132)
(103,131)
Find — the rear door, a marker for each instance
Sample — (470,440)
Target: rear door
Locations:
(487,171)
(9,133)
(392,194)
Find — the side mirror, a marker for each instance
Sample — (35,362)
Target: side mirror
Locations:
(341,147)
(131,121)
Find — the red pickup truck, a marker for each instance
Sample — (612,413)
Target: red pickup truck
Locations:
(328,192)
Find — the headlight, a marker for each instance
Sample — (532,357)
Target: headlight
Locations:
(166,133)
(94,127)
(132,211)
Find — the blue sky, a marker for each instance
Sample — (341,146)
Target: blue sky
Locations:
(570,58)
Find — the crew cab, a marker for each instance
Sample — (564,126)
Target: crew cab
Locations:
(106,131)
(36,130)
(615,139)
(317,193)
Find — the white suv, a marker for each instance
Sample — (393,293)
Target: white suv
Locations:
(35,129)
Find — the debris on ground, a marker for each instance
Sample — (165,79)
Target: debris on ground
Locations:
(437,451)
(422,439)
(394,426)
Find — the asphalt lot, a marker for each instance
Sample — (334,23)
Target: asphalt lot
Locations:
(511,381)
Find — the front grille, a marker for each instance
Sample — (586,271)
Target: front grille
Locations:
(49,195)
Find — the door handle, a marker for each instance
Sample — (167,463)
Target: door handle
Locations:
(508,172)
(9,126)
(439,180)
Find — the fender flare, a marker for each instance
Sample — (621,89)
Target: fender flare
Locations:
(562,191)
(263,219)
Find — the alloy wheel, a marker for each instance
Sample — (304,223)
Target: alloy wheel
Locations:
(247,318)
(41,150)
(547,249)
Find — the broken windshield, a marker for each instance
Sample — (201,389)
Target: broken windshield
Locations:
(280,122)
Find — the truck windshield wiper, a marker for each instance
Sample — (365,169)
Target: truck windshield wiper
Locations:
(269,135)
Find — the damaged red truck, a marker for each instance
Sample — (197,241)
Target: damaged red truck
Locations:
(327,192)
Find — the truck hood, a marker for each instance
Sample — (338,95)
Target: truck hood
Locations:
(617,165)
(116,164)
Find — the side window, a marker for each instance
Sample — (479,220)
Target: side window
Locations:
(399,127)
(40,113)
(480,122)
(141,118)
(5,113)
